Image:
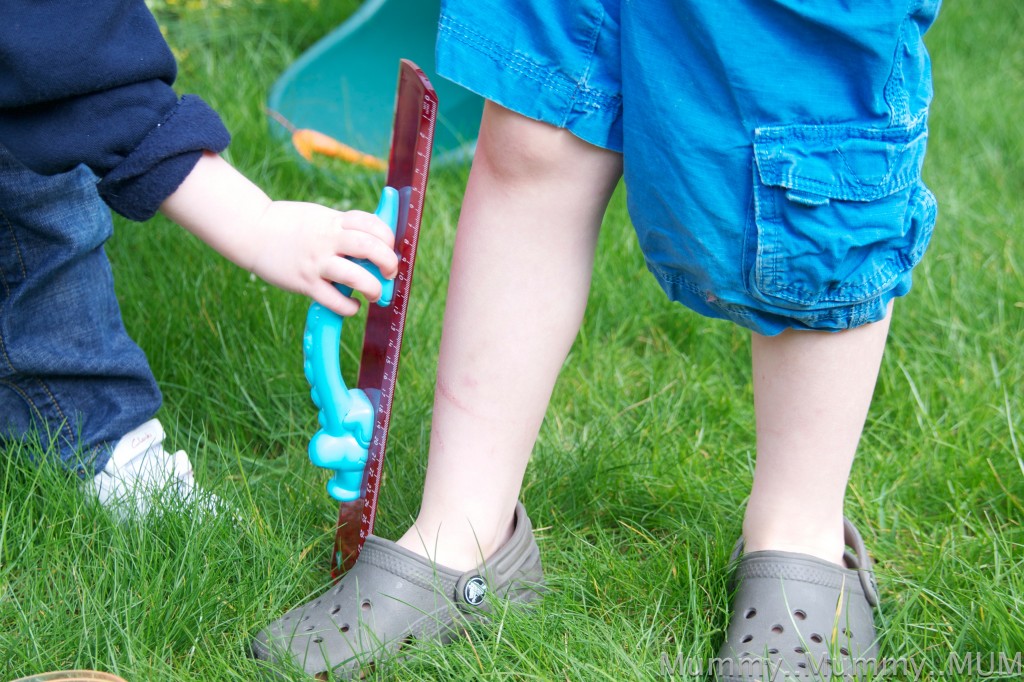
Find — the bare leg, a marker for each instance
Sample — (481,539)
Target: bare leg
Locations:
(811,395)
(520,277)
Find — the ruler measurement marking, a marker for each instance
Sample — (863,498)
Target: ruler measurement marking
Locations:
(389,370)
(398,330)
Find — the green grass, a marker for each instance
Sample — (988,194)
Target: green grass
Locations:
(641,471)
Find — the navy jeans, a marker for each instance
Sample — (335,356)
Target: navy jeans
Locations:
(69,373)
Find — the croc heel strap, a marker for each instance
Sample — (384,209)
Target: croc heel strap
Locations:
(795,616)
(392,597)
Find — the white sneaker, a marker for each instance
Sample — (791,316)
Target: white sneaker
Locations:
(140,471)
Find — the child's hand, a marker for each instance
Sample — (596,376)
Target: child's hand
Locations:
(302,247)
(299,247)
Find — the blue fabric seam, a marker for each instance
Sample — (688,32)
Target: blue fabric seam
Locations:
(523,65)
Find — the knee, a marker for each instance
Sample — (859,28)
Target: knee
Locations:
(517,150)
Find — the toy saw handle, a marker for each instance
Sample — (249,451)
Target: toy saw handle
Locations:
(346,415)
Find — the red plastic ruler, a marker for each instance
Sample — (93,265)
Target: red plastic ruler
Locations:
(412,139)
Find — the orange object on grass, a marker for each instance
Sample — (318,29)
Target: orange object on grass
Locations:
(308,142)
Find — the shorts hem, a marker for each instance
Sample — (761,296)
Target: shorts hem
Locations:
(516,82)
(770,321)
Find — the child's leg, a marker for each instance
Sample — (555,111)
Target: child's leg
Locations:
(68,369)
(520,277)
(811,395)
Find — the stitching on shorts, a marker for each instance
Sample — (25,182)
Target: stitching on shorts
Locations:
(519,63)
(685,283)
(849,315)
(515,62)
(895,95)
(888,271)
(896,180)
(584,96)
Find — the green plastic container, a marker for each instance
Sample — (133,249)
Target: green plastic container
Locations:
(344,86)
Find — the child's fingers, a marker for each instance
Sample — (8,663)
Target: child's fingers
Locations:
(344,271)
(370,224)
(357,244)
(324,293)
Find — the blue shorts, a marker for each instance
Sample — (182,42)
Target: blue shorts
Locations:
(772,149)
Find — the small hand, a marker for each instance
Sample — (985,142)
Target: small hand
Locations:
(304,247)
(299,247)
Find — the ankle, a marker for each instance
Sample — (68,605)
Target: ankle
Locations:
(821,540)
(456,545)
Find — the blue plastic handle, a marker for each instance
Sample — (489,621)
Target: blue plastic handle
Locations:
(346,415)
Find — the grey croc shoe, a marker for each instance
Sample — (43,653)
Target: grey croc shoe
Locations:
(392,597)
(797,617)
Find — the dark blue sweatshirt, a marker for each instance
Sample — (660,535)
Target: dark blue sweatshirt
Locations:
(89,81)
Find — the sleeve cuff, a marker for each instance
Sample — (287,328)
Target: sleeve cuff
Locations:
(137,186)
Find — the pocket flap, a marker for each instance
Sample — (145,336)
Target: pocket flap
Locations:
(840,161)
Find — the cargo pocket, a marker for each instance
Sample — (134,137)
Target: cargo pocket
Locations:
(841,213)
